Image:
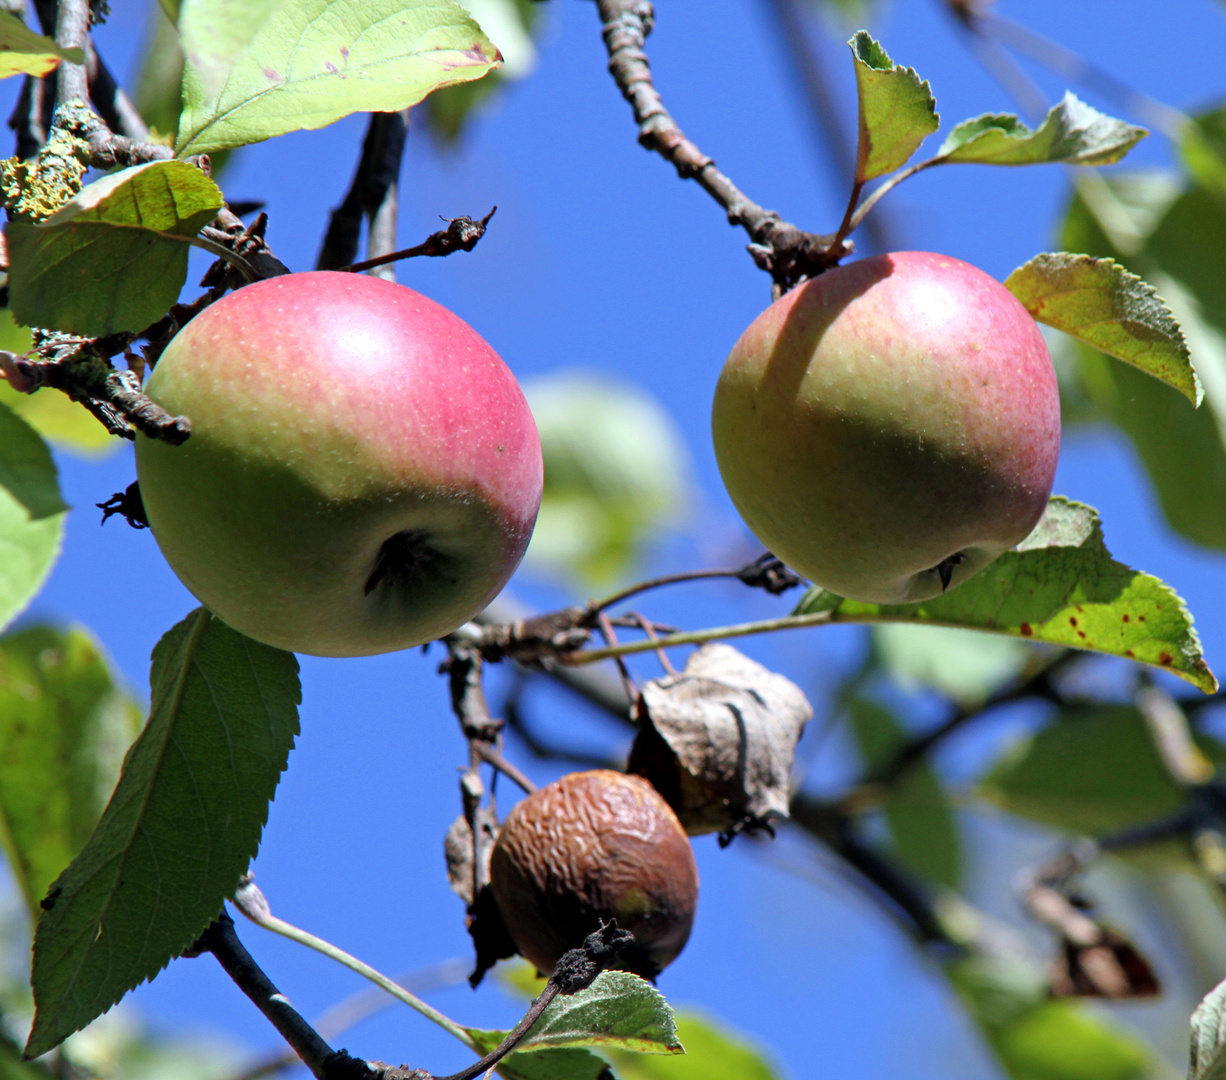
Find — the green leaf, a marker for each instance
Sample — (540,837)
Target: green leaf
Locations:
(615,469)
(618,1010)
(712,1052)
(897,110)
(1072,133)
(509,25)
(1100,303)
(31,514)
(1175,241)
(314,61)
(214,33)
(158,96)
(1092,770)
(64,727)
(917,809)
(113,258)
(1209,1037)
(1061,586)
(1202,146)
(55,416)
(23,52)
(962,664)
(181,828)
(560,1063)
(1035,1037)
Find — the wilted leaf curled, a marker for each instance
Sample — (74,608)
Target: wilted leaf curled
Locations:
(718,740)
(491,940)
(1110,968)
(458,849)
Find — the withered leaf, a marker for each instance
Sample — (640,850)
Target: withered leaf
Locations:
(718,740)
(458,849)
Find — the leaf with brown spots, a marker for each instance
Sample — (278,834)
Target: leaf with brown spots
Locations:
(1061,586)
(1100,303)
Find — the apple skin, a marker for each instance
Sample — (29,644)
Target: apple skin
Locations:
(331,412)
(889,420)
(587,848)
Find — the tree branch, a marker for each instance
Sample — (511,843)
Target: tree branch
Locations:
(787,253)
(461,234)
(72,32)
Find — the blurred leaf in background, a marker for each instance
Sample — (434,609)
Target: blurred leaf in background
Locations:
(616,471)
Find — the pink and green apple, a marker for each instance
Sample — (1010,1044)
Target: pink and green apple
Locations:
(363,471)
(890,427)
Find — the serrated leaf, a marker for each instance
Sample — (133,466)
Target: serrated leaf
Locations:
(1073,133)
(23,52)
(1061,586)
(712,1052)
(618,1010)
(615,476)
(965,665)
(108,260)
(32,514)
(1175,241)
(64,727)
(1100,303)
(314,61)
(181,828)
(1037,1038)
(214,33)
(1208,1057)
(1092,770)
(897,110)
(917,809)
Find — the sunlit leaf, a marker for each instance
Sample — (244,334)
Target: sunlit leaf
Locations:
(214,33)
(23,52)
(897,110)
(181,828)
(1060,586)
(1072,132)
(31,514)
(963,664)
(314,61)
(1100,303)
(712,1052)
(64,727)
(109,260)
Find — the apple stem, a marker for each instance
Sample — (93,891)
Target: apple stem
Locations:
(461,234)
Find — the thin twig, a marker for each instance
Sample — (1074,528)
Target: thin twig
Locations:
(787,253)
(461,234)
(766,572)
(494,757)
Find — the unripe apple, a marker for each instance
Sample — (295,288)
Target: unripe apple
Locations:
(890,427)
(591,847)
(363,471)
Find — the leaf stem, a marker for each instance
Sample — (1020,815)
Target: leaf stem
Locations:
(252,903)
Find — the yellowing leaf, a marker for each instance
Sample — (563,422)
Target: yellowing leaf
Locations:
(23,52)
(897,110)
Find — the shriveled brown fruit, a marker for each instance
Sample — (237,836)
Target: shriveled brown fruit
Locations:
(591,847)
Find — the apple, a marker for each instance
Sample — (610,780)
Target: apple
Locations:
(889,428)
(363,472)
(590,847)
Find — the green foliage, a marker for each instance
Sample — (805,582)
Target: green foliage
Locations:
(64,727)
(563,1063)
(614,474)
(158,96)
(158,866)
(214,33)
(1203,149)
(23,52)
(917,808)
(1175,241)
(1072,133)
(712,1052)
(897,110)
(1209,1037)
(1092,770)
(32,514)
(1039,1038)
(1100,303)
(314,61)
(965,665)
(114,257)
(618,1010)
(1060,586)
